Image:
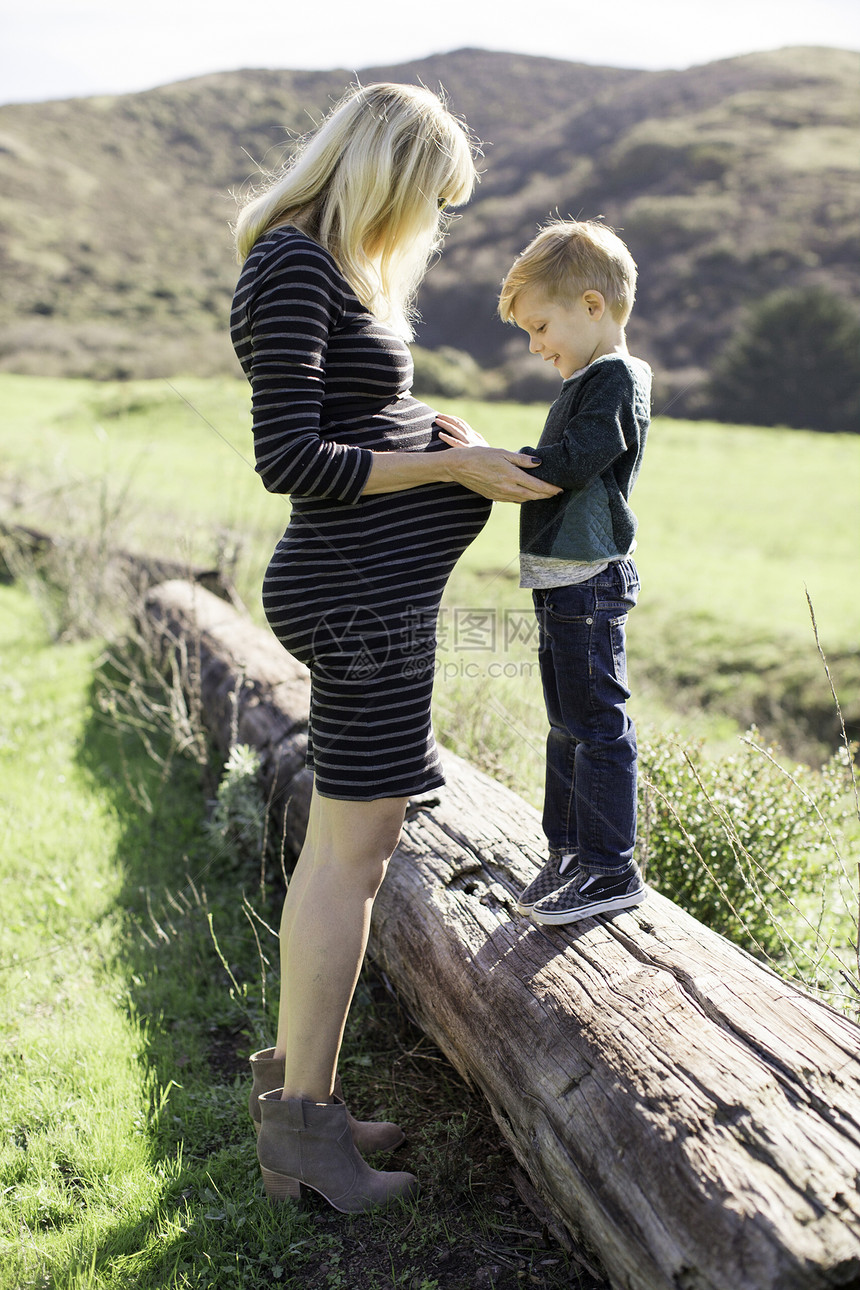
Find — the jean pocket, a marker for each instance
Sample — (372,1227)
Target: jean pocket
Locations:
(618,645)
(573,604)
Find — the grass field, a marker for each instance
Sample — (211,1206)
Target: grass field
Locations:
(734,522)
(736,525)
(126,1152)
(125,1155)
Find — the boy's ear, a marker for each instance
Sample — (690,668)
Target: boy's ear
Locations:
(595,304)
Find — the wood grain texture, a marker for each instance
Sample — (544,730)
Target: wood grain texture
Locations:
(691,1119)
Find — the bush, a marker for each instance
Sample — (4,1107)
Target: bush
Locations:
(795,362)
(237,826)
(448,373)
(731,842)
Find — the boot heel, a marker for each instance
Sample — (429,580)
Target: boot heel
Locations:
(309,1144)
(279,1187)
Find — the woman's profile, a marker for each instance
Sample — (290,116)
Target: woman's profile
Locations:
(386,495)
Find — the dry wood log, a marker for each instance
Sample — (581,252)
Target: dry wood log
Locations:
(21,544)
(692,1120)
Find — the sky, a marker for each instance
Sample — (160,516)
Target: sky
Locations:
(69,48)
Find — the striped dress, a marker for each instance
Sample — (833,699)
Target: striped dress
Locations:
(354,585)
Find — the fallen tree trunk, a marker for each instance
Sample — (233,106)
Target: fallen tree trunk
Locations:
(21,546)
(692,1119)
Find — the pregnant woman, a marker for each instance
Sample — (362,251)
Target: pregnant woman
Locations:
(386,495)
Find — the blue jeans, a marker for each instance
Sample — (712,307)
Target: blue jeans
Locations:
(590,793)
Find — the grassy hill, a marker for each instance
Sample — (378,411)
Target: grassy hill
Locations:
(729,181)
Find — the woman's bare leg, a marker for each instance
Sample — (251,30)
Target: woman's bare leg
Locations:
(295,890)
(324,930)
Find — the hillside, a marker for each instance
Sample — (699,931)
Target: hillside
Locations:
(729,181)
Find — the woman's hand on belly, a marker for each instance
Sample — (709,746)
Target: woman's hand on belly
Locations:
(498,474)
(490,472)
(457,433)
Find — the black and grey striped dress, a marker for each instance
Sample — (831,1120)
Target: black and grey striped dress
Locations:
(354,585)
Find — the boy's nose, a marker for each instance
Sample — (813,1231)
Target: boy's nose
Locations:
(534,345)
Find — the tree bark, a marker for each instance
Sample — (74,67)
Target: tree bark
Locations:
(29,546)
(692,1119)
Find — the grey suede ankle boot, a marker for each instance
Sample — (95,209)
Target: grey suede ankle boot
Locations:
(309,1144)
(267,1072)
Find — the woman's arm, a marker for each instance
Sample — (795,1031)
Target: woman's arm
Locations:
(496,474)
(290,312)
(491,472)
(288,301)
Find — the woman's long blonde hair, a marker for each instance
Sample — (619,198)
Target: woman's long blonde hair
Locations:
(368,185)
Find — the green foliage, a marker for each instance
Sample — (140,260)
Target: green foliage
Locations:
(449,373)
(794,361)
(237,826)
(737,842)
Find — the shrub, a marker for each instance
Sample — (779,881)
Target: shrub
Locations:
(733,844)
(237,826)
(795,361)
(448,373)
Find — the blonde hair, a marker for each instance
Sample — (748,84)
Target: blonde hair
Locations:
(367,185)
(568,258)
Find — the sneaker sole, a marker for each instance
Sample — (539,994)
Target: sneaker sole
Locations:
(562,916)
(527,909)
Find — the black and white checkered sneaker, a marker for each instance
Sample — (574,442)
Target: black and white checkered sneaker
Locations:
(560,868)
(589,894)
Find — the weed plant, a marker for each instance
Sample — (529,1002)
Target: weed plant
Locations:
(237,825)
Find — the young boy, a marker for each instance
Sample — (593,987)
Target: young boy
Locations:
(571,290)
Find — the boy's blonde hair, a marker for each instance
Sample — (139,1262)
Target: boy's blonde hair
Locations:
(568,258)
(369,185)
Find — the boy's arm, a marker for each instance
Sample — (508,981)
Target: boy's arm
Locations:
(593,437)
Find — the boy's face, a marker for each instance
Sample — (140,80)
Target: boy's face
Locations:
(567,335)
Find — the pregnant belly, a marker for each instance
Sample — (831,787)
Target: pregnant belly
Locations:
(389,556)
(428,526)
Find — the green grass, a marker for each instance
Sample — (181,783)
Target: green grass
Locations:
(126,1153)
(175,460)
(126,1156)
(91,1169)
(736,524)
(734,521)
(75,1160)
